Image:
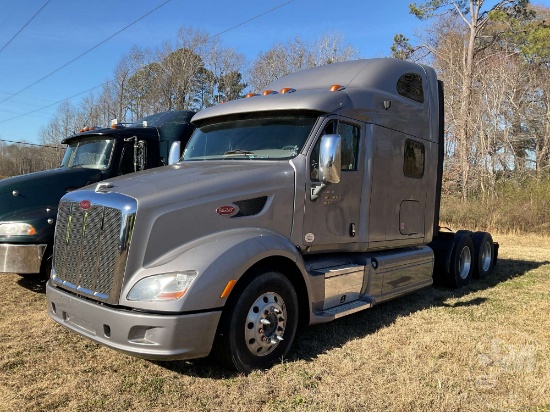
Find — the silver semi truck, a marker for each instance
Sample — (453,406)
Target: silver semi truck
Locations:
(314,200)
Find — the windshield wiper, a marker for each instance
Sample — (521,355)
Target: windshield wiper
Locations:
(238,152)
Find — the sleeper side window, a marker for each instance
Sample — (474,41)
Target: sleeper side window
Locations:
(350,146)
(414,158)
(410,86)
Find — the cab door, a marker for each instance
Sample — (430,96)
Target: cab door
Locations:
(331,221)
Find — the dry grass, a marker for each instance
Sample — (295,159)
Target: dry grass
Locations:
(483,348)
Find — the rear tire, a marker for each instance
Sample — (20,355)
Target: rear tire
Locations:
(461,268)
(259,325)
(483,254)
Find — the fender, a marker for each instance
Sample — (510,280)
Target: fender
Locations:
(218,258)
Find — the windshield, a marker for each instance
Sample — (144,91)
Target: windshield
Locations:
(93,153)
(274,138)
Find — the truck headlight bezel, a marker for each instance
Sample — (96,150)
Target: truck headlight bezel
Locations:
(162,287)
(17,229)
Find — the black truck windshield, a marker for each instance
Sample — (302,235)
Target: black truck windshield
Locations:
(92,152)
(262,138)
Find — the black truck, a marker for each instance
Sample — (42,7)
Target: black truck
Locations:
(28,203)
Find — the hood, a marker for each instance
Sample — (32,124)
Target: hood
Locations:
(40,190)
(196,178)
(187,201)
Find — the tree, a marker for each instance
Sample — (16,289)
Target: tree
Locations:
(475,19)
(285,58)
(230,86)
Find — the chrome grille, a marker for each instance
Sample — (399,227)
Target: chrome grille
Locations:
(91,249)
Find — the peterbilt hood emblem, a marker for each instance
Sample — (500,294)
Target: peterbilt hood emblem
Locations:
(85,204)
(226,210)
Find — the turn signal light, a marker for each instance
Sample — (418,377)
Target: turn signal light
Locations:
(251,95)
(287,90)
(228,288)
(336,88)
(266,92)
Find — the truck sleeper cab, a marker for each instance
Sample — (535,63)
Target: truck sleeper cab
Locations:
(290,208)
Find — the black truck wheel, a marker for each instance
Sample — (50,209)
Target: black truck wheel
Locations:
(461,268)
(259,325)
(483,254)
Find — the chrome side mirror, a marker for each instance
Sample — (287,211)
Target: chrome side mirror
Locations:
(175,153)
(330,158)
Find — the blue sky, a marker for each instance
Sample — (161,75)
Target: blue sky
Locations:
(65,29)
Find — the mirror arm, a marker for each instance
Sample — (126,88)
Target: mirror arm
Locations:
(316,191)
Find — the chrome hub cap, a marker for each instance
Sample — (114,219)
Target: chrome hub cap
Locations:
(486,256)
(265,324)
(465,262)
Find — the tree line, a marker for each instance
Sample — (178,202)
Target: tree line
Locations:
(19,159)
(192,73)
(494,62)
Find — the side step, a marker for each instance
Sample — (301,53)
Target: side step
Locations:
(348,308)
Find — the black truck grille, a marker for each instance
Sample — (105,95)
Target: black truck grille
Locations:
(91,250)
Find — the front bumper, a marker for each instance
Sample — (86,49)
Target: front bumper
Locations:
(19,258)
(144,335)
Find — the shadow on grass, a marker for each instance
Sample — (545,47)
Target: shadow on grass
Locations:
(35,282)
(318,339)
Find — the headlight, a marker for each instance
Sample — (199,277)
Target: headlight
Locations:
(168,286)
(16,229)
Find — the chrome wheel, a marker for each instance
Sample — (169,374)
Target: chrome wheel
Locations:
(259,323)
(486,256)
(265,324)
(465,262)
(483,255)
(461,263)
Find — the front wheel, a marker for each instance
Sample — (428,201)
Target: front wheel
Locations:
(259,325)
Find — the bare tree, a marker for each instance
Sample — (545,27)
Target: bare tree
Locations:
(285,58)
(475,19)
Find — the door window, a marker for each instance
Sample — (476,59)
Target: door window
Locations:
(349,146)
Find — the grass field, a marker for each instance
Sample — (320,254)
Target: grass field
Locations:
(482,348)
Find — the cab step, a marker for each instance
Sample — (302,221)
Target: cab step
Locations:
(348,308)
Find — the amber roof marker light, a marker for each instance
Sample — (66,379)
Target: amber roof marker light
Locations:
(337,88)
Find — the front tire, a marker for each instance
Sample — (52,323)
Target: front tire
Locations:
(259,324)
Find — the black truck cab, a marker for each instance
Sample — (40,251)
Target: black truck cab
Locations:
(28,203)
